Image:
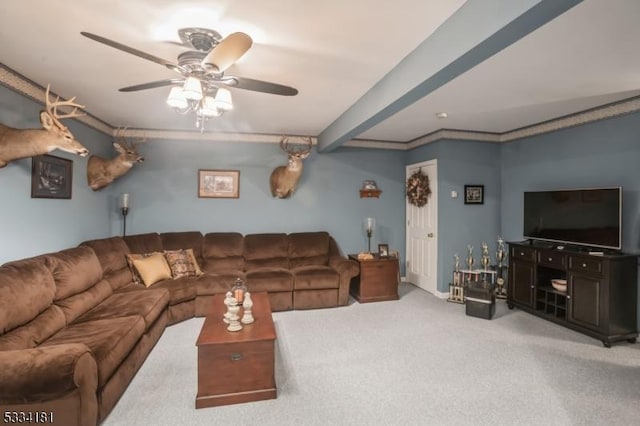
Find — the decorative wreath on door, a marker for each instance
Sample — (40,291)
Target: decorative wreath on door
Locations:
(418,190)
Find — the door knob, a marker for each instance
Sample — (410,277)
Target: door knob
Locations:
(430,235)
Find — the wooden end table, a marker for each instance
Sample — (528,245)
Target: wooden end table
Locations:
(378,280)
(236,367)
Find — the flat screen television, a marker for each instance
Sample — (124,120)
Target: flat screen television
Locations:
(589,217)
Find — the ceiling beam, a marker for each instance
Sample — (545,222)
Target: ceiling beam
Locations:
(475,32)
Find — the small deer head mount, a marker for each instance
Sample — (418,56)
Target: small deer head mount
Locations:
(102,172)
(284,179)
(23,143)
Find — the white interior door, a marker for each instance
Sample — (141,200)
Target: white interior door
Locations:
(422,237)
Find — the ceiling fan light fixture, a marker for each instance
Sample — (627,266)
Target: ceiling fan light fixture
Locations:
(176,98)
(223,99)
(192,89)
(209,108)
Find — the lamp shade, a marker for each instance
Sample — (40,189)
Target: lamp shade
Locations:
(176,98)
(369,224)
(223,99)
(192,89)
(123,201)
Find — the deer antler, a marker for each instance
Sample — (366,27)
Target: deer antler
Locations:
(284,144)
(52,107)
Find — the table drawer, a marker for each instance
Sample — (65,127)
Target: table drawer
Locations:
(585,264)
(524,253)
(552,259)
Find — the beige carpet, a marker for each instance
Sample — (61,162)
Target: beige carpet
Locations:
(416,361)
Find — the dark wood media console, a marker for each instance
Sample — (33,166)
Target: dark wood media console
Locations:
(601,299)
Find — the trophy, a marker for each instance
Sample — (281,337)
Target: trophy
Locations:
(501,254)
(456,263)
(485,259)
(470,260)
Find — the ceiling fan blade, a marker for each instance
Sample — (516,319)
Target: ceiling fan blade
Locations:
(128,49)
(152,85)
(259,86)
(229,50)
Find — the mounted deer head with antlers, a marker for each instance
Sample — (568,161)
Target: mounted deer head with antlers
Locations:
(23,143)
(102,172)
(284,179)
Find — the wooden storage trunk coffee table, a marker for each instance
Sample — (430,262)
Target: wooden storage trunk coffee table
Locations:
(235,367)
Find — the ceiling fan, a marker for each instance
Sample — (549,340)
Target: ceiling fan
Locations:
(211,57)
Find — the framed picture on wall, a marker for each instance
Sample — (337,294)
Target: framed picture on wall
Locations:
(218,183)
(51,177)
(474,194)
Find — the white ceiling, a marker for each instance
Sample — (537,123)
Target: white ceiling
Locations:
(333,52)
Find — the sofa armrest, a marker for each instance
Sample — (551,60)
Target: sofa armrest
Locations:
(46,373)
(347,269)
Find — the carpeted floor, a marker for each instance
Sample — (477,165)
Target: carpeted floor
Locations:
(416,361)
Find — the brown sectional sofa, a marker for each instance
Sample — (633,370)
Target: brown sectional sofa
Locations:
(75,328)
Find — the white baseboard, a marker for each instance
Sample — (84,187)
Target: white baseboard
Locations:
(438,294)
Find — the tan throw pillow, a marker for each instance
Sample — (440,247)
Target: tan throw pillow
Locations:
(180,263)
(152,269)
(195,262)
(135,276)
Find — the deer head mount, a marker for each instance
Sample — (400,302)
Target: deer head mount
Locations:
(284,179)
(102,172)
(23,143)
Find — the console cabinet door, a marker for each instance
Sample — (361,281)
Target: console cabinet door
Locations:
(585,300)
(522,281)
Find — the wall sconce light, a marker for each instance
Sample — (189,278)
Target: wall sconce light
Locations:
(123,203)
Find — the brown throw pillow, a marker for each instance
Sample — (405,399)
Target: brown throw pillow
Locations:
(134,272)
(152,269)
(180,263)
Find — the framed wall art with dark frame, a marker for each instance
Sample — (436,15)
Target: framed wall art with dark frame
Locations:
(218,183)
(474,194)
(383,250)
(51,177)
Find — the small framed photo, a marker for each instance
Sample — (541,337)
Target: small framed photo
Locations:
(218,183)
(474,194)
(51,177)
(383,250)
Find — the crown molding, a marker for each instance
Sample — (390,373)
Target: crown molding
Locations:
(22,85)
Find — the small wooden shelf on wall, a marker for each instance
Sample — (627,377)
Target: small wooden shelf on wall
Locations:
(370,193)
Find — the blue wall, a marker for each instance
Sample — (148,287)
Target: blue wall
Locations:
(601,154)
(460,163)
(164,192)
(32,226)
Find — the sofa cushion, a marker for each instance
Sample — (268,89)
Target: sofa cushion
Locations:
(35,331)
(152,269)
(308,248)
(223,251)
(78,304)
(217,282)
(269,279)
(315,277)
(180,290)
(110,341)
(110,252)
(144,243)
(74,270)
(27,288)
(266,250)
(147,303)
(183,240)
